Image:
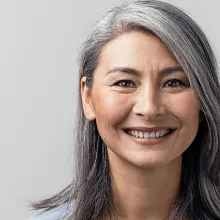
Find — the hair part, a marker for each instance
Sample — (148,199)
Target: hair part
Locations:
(199,196)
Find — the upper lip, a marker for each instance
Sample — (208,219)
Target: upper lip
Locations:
(148,129)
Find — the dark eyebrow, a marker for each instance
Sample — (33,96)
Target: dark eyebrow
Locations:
(128,70)
(132,71)
(172,69)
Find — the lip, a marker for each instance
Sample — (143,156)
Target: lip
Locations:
(147,129)
(150,141)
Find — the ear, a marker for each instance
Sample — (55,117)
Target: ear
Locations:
(86,100)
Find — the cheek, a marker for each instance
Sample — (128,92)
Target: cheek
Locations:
(185,106)
(110,108)
(187,110)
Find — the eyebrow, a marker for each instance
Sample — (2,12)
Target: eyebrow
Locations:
(132,71)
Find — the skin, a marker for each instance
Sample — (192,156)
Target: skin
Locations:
(142,172)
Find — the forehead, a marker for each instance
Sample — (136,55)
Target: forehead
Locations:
(136,49)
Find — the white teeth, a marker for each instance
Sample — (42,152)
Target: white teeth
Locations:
(157,134)
(140,134)
(162,133)
(146,135)
(152,135)
(136,134)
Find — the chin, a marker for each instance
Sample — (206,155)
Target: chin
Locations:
(149,165)
(159,162)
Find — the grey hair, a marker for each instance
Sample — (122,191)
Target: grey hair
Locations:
(199,196)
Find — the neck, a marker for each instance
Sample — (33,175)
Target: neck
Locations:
(144,194)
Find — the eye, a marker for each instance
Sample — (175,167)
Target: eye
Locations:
(124,83)
(175,83)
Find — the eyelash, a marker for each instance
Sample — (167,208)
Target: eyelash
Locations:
(122,81)
(169,80)
(181,83)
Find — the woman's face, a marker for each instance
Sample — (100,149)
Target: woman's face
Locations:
(140,93)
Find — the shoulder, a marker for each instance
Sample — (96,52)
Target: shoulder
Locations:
(54,214)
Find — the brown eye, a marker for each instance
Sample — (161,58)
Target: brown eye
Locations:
(125,83)
(174,83)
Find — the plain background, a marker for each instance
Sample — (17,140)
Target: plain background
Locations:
(40,41)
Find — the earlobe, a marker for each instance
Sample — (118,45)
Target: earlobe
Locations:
(86,100)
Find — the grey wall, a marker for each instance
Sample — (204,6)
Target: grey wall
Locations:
(38,50)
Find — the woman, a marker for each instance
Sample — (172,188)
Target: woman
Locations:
(147,136)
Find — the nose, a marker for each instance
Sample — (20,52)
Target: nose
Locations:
(149,104)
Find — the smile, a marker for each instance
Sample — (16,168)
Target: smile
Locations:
(149,138)
(149,135)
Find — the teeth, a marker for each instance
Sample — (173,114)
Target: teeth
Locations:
(136,133)
(146,135)
(140,134)
(157,134)
(152,135)
(166,132)
(162,133)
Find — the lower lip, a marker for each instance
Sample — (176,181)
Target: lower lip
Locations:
(150,141)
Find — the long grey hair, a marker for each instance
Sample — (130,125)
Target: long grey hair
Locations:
(89,196)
